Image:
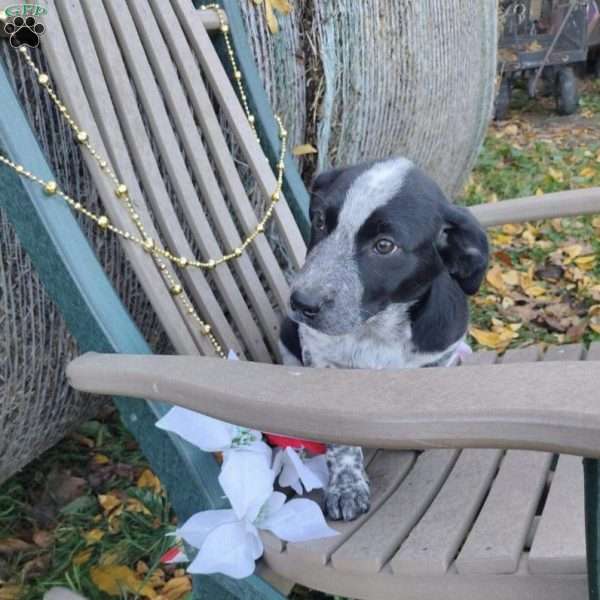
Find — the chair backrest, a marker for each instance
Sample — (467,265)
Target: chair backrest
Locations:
(144,80)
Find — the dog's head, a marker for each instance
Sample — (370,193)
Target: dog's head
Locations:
(382,232)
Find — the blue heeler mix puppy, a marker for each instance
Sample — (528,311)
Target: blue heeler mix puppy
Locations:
(390,264)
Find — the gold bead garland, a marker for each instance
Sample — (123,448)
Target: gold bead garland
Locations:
(158,253)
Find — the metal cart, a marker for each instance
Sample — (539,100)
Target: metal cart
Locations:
(540,41)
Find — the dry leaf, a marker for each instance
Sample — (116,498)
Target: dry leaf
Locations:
(556,174)
(489,339)
(11,592)
(82,557)
(134,505)
(101,459)
(534,291)
(109,502)
(572,251)
(282,6)
(93,536)
(114,580)
(494,278)
(511,229)
(539,192)
(149,480)
(587,172)
(10,546)
(303,149)
(272,23)
(511,277)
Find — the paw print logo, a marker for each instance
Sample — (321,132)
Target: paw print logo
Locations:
(24,31)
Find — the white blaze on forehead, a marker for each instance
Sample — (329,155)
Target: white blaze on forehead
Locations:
(371,190)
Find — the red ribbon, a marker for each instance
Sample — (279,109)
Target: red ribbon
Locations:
(284,442)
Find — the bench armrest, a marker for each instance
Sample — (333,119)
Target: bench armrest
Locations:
(536,406)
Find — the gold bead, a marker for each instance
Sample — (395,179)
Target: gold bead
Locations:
(82,137)
(251,119)
(23,50)
(103,164)
(283,133)
(176,290)
(103,221)
(77,206)
(280,165)
(148,244)
(206,329)
(183,261)
(121,191)
(275,196)
(19,168)
(260,228)
(224,28)
(43,79)
(50,188)
(238,252)
(237,75)
(211,264)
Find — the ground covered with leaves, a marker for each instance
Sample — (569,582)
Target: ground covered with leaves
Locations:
(90,514)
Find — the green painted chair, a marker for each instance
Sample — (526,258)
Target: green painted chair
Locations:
(501,519)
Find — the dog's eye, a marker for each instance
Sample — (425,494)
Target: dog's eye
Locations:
(319,220)
(384,246)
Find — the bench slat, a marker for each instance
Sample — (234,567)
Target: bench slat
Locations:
(559,542)
(432,544)
(372,545)
(496,542)
(385,471)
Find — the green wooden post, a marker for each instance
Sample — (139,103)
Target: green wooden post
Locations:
(591,472)
(293,186)
(75,281)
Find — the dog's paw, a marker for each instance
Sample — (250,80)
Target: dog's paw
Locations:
(347,502)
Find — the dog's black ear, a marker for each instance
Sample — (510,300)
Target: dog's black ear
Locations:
(325,179)
(463,246)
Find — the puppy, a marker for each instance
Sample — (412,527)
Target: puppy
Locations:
(389,266)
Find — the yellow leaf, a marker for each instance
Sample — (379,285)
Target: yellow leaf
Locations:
(501,239)
(539,192)
(101,459)
(11,591)
(556,174)
(595,327)
(82,557)
(511,229)
(515,326)
(572,251)
(535,290)
(489,339)
(112,557)
(596,222)
(93,536)
(494,278)
(272,23)
(511,130)
(586,262)
(282,6)
(134,505)
(511,277)
(149,480)
(303,149)
(109,502)
(176,588)
(587,172)
(557,225)
(114,580)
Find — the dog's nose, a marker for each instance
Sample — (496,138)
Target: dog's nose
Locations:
(306,304)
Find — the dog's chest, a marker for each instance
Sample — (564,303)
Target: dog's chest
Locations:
(383,343)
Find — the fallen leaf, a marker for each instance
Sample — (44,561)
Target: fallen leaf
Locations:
(93,536)
(109,502)
(511,277)
(282,6)
(272,23)
(556,174)
(134,505)
(572,251)
(494,278)
(539,192)
(11,592)
(9,546)
(303,149)
(489,339)
(149,480)
(511,229)
(101,459)
(534,290)
(83,557)
(587,172)
(114,580)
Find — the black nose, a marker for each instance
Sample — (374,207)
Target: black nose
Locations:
(306,304)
